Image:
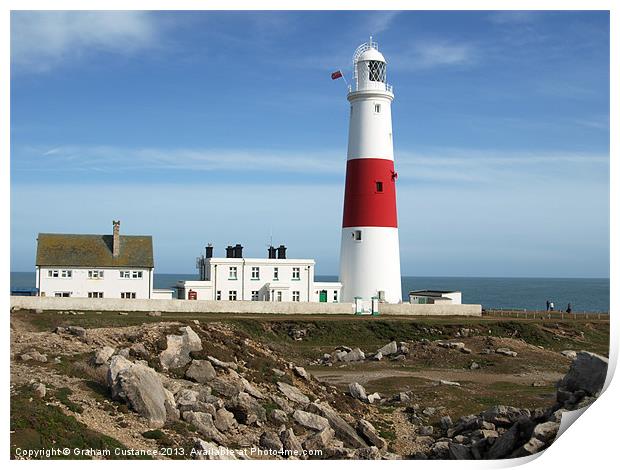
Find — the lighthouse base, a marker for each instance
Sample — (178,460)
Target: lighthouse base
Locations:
(370,264)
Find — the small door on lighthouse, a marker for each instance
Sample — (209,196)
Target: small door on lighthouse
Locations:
(323,296)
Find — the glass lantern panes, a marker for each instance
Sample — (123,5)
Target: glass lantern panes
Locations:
(376,71)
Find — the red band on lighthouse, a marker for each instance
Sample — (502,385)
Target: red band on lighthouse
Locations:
(370,194)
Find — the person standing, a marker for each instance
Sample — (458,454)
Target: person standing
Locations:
(547,305)
(551,306)
(569,308)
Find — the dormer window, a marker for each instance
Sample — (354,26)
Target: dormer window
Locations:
(376,71)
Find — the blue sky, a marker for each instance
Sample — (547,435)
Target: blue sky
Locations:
(225,127)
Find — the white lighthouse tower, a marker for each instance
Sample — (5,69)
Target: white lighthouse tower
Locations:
(369,250)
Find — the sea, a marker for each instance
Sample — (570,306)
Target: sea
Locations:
(584,295)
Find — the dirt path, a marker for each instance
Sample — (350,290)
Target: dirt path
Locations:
(342,377)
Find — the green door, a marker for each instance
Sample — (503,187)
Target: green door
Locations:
(323,296)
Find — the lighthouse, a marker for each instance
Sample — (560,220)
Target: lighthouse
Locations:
(369,248)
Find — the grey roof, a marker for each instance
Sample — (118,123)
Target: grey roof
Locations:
(431,293)
(59,249)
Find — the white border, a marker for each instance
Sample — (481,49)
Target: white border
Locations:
(591,443)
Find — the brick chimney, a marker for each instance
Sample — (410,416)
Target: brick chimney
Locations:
(116,238)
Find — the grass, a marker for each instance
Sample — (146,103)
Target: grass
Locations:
(36,425)
(62,395)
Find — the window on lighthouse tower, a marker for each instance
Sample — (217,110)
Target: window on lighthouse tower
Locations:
(376,71)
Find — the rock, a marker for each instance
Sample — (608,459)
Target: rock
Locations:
(221,364)
(504,444)
(38,310)
(125,352)
(246,409)
(153,314)
(301,372)
(440,450)
(224,420)
(321,440)
(226,386)
(278,372)
(402,397)
(138,350)
(474,365)
(200,371)
(370,434)
(390,348)
(37,356)
(310,420)
(587,372)
(123,313)
(357,391)
(251,389)
(39,389)
(503,415)
(354,355)
(178,348)
(293,393)
(172,413)
(546,432)
(203,450)
(377,357)
(425,430)
(367,453)
(445,422)
(278,417)
(270,440)
(448,382)
(76,331)
(102,356)
(282,403)
(343,430)
(204,424)
(429,411)
(400,357)
(569,354)
(531,447)
(140,386)
(26,357)
(373,397)
(186,399)
(506,352)
(290,443)
(459,452)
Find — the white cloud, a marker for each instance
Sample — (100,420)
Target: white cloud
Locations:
(379,21)
(431,54)
(42,40)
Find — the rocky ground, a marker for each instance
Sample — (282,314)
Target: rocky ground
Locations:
(208,387)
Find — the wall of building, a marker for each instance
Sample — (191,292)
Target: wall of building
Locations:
(79,284)
(202,306)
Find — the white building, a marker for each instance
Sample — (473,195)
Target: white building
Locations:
(435,297)
(369,248)
(275,278)
(96,266)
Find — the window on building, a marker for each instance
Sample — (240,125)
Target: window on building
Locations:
(232,273)
(128,295)
(62,294)
(95,274)
(232,295)
(357,235)
(296,274)
(52,273)
(379,186)
(296,296)
(136,274)
(66,273)
(376,71)
(279,296)
(125,274)
(254,295)
(255,273)
(218,295)
(275,274)
(335,296)
(377,108)
(95,295)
